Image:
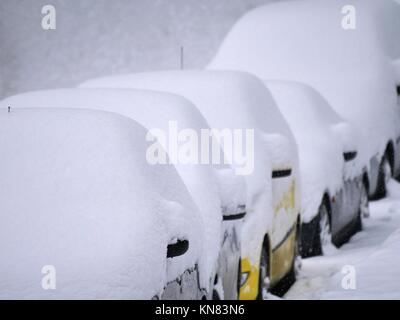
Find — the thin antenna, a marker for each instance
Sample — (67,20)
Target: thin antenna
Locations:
(182,57)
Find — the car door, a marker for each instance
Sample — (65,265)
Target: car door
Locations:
(284,221)
(185,287)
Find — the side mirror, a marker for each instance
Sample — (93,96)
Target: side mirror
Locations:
(349,156)
(238,215)
(177,249)
(277,174)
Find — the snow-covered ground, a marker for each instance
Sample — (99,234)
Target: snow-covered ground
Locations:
(369,263)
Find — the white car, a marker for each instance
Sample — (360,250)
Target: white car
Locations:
(333,183)
(84,216)
(217,192)
(348,61)
(239,103)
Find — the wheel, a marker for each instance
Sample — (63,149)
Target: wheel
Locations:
(384,175)
(324,235)
(264,280)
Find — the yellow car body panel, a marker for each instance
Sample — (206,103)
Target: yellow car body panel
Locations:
(281,261)
(249,290)
(281,257)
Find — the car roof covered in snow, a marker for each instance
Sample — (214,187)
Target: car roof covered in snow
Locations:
(225,98)
(322,137)
(350,68)
(234,101)
(213,187)
(78,194)
(307,112)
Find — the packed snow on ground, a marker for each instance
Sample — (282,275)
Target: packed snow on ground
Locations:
(77,194)
(322,137)
(232,100)
(352,69)
(374,254)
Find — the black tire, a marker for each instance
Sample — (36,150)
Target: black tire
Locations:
(323,236)
(215,295)
(263,281)
(384,175)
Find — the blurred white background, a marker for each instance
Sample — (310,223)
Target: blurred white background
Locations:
(101,37)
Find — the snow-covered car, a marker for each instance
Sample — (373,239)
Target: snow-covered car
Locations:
(347,58)
(84,216)
(171,120)
(239,104)
(333,183)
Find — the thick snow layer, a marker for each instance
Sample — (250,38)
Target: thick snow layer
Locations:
(232,100)
(373,254)
(322,137)
(351,68)
(213,188)
(77,194)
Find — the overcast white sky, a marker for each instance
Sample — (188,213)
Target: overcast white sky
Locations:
(100,37)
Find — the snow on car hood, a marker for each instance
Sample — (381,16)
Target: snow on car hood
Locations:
(212,187)
(350,68)
(76,193)
(322,137)
(233,100)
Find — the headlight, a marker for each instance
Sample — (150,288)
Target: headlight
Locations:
(243,278)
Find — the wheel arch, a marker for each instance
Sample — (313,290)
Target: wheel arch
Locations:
(326,200)
(267,244)
(365,181)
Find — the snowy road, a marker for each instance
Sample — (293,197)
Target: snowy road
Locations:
(370,262)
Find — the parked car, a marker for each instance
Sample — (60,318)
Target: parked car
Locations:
(218,193)
(84,216)
(350,67)
(333,183)
(239,101)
